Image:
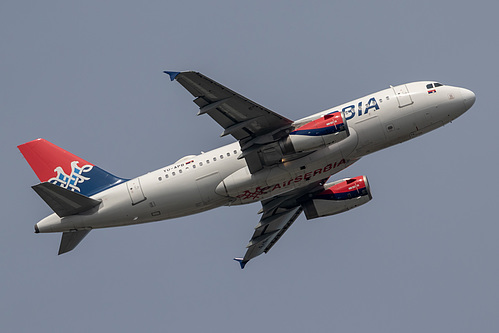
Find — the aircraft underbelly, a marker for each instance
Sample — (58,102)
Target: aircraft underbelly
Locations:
(244,187)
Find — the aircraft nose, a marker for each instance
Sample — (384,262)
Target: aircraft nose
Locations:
(468,98)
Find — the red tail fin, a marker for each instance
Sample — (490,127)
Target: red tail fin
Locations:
(58,166)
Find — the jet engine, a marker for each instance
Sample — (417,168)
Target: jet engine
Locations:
(328,129)
(338,197)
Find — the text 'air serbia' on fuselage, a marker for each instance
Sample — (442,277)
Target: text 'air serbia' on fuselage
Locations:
(281,163)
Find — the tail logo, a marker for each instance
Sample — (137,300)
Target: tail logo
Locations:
(72,180)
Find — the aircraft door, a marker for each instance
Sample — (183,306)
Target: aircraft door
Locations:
(135,191)
(403,95)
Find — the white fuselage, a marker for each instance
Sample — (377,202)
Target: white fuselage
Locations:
(198,183)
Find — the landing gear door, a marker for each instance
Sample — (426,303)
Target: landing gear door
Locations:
(403,95)
(135,191)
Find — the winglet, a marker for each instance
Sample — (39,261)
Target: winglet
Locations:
(241,262)
(173,75)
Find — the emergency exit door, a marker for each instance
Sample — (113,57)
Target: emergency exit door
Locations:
(403,95)
(135,191)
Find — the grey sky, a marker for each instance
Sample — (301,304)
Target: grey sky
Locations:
(420,257)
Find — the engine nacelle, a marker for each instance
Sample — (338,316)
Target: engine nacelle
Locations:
(321,132)
(338,197)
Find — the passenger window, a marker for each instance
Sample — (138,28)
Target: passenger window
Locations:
(200,163)
(207,161)
(228,154)
(214,159)
(194,166)
(235,152)
(173,173)
(221,157)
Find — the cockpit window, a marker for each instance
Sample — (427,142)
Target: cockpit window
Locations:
(432,85)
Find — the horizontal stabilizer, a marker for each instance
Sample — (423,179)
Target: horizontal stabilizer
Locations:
(70,239)
(63,201)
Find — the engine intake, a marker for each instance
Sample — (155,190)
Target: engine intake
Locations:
(338,197)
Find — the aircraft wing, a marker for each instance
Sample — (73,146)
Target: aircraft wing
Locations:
(255,126)
(278,214)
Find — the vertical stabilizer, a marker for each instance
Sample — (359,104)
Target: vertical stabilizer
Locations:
(57,166)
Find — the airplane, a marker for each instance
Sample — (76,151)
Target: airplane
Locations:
(283,164)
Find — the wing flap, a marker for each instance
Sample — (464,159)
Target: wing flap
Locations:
(283,229)
(63,201)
